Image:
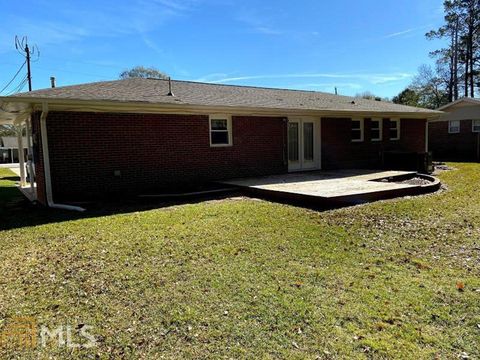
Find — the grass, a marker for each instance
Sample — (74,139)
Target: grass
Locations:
(242,278)
(8,191)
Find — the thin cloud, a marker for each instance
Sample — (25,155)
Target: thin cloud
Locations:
(176,5)
(74,23)
(267,30)
(398,33)
(386,78)
(152,45)
(49,31)
(405,32)
(211,78)
(258,23)
(325,86)
(374,78)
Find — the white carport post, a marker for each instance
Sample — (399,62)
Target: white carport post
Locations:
(21,155)
(31,171)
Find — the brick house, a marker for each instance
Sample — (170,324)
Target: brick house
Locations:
(456,134)
(136,135)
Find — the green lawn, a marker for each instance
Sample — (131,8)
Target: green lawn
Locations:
(8,192)
(243,278)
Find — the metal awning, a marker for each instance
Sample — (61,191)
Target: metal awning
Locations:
(18,114)
(14,113)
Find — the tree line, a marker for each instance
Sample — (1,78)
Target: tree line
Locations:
(456,72)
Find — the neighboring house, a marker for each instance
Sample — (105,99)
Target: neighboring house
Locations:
(9,149)
(456,134)
(138,135)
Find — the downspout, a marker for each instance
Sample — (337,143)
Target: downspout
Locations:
(285,142)
(46,164)
(21,155)
(426,137)
(31,161)
(428,159)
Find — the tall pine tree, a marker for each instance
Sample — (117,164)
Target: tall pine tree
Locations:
(458,64)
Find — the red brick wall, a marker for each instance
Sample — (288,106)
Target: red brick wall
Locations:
(338,150)
(154,151)
(445,146)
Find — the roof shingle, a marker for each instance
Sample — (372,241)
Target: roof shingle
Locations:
(154,91)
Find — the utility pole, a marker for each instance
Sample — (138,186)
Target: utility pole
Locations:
(24,50)
(27,52)
(29,71)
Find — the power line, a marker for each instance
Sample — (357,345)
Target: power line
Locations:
(14,77)
(24,50)
(30,54)
(20,86)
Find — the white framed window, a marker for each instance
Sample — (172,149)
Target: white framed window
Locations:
(376,129)
(357,130)
(454,126)
(220,130)
(476,125)
(394,129)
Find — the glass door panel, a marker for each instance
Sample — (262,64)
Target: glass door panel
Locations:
(308,142)
(302,144)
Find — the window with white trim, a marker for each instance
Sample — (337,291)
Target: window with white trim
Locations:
(394,129)
(357,130)
(376,129)
(454,126)
(220,130)
(476,125)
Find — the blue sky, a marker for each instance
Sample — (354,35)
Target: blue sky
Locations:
(304,44)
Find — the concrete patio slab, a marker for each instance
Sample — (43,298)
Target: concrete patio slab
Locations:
(343,186)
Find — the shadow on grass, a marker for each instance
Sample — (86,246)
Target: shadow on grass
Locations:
(18,212)
(9,194)
(11,178)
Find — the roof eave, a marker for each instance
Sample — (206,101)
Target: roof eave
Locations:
(458,101)
(35,103)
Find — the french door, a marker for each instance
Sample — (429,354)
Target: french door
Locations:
(303,144)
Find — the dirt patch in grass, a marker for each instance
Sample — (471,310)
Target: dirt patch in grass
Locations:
(415,181)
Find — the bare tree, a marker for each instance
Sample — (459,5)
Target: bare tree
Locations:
(143,72)
(429,86)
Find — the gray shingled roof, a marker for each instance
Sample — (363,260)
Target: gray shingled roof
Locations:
(153,91)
